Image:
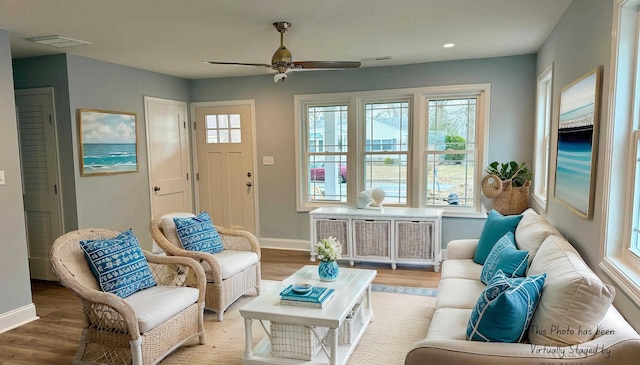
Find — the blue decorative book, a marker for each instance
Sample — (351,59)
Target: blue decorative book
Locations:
(317,295)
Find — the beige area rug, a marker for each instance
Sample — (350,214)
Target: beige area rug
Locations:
(399,321)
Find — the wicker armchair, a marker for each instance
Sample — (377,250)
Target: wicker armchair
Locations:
(112,330)
(230,273)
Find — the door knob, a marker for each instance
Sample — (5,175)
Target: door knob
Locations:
(249,184)
(156,188)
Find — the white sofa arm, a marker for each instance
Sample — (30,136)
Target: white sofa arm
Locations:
(462,249)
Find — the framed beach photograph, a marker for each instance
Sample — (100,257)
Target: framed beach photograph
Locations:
(107,142)
(577,143)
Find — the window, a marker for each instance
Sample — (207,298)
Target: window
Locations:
(386,149)
(451,176)
(541,143)
(621,214)
(223,128)
(421,146)
(326,153)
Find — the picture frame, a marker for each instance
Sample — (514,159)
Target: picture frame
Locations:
(577,132)
(107,142)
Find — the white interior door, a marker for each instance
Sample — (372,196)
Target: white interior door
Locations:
(169,158)
(40,177)
(224,140)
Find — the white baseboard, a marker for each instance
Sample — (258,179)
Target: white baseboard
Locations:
(17,317)
(285,244)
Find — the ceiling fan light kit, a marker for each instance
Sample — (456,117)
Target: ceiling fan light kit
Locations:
(282,60)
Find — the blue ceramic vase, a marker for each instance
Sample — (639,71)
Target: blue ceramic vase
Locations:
(328,270)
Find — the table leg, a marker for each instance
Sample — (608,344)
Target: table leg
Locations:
(248,350)
(333,332)
(369,305)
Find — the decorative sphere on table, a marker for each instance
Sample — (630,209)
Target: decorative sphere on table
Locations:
(364,199)
(377,195)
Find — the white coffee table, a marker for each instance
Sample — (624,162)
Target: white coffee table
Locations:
(350,286)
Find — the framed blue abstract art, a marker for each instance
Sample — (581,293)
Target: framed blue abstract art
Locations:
(577,142)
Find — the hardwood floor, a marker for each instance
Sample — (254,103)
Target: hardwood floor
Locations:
(53,339)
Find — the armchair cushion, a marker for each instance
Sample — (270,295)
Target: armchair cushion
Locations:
(154,306)
(198,234)
(118,264)
(169,227)
(231,262)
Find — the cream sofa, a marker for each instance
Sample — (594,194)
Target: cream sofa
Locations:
(574,323)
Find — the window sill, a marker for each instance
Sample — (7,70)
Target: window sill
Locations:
(625,274)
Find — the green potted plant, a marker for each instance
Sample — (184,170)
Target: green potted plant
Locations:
(519,174)
(508,185)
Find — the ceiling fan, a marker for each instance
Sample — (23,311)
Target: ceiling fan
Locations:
(282,61)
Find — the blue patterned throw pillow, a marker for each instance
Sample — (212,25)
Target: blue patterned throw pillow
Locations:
(118,264)
(198,233)
(496,226)
(505,308)
(506,257)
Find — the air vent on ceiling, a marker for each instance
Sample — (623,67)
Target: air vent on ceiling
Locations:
(58,41)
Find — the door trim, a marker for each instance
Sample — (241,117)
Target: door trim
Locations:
(194,161)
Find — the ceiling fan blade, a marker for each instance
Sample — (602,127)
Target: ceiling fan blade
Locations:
(239,63)
(325,64)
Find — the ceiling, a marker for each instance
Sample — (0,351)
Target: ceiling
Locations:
(174,37)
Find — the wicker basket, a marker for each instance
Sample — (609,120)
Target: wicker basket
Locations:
(351,325)
(506,198)
(296,342)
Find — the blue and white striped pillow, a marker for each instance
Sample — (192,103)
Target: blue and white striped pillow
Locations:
(118,264)
(198,233)
(505,308)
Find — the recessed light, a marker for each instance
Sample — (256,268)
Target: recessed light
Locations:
(449,45)
(58,41)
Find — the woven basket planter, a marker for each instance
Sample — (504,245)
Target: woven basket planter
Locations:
(507,199)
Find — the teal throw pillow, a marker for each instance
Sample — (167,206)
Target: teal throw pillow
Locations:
(505,308)
(118,264)
(494,228)
(506,257)
(198,233)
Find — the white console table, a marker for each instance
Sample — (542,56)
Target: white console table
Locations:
(389,234)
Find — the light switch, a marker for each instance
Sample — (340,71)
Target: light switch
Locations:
(1,177)
(267,160)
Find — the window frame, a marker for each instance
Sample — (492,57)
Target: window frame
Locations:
(416,170)
(617,260)
(542,141)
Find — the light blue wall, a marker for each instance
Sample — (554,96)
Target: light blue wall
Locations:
(512,82)
(119,201)
(15,287)
(580,42)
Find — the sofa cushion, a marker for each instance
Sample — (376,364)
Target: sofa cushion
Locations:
(458,293)
(231,262)
(464,269)
(504,309)
(169,227)
(198,233)
(532,231)
(494,228)
(118,264)
(449,324)
(156,305)
(504,256)
(574,300)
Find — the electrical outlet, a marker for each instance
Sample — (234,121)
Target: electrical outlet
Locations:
(267,160)
(2,182)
